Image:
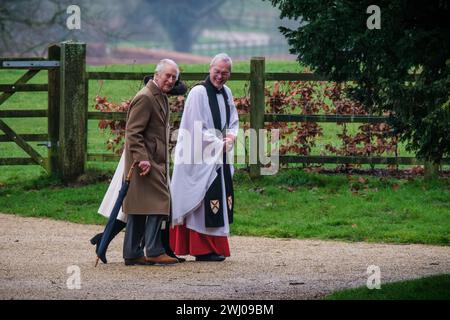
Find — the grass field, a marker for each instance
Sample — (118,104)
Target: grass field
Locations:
(429,288)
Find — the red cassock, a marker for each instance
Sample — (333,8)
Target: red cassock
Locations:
(184,241)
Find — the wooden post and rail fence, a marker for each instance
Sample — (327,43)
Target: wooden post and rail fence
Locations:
(68,114)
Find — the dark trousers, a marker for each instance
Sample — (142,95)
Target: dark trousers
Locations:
(143,231)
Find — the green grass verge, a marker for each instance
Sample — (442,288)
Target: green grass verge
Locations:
(291,204)
(429,288)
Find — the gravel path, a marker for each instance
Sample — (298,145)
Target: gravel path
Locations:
(36,253)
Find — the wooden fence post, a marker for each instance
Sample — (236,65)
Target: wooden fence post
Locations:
(73,110)
(257,105)
(54,53)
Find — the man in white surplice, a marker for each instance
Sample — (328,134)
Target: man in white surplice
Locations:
(196,165)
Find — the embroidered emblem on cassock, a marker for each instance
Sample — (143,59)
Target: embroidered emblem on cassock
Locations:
(214,206)
(230,202)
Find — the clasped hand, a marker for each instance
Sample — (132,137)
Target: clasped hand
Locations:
(145,167)
(228,142)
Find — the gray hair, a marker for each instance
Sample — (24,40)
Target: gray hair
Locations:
(163,63)
(221,57)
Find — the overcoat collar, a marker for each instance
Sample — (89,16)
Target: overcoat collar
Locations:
(159,96)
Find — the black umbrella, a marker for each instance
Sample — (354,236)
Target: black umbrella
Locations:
(103,246)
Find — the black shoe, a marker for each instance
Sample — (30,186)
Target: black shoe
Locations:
(209,257)
(166,243)
(170,253)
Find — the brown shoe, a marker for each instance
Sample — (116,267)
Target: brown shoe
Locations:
(142,261)
(162,259)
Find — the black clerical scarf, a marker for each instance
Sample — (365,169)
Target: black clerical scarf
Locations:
(213,198)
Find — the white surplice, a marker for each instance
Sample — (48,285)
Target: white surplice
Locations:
(190,182)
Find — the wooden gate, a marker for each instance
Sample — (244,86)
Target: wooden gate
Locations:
(66,111)
(34,66)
